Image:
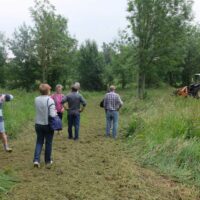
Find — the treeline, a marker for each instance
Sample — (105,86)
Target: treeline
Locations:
(160,46)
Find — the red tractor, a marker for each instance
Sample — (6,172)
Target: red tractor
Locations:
(192,90)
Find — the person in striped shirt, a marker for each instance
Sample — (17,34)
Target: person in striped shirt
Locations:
(112,104)
(3,136)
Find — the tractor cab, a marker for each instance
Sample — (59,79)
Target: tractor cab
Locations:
(194,88)
(196,79)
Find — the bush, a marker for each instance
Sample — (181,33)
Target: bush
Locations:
(135,125)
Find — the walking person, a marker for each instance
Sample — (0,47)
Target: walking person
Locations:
(112,104)
(74,100)
(3,136)
(45,107)
(57,97)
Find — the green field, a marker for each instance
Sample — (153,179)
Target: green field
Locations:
(160,133)
(164,132)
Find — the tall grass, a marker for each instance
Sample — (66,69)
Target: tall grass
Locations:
(164,131)
(18,112)
(6,182)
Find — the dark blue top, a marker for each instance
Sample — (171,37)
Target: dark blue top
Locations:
(74,100)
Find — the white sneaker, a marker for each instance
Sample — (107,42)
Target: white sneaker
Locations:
(36,164)
(9,150)
(48,165)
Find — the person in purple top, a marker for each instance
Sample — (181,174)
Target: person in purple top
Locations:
(57,97)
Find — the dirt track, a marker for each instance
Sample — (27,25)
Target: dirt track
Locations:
(94,168)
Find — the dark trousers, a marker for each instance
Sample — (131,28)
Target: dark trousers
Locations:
(60,115)
(73,120)
(44,134)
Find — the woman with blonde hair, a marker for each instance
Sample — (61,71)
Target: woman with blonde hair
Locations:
(57,97)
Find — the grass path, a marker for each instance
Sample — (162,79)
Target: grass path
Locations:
(94,168)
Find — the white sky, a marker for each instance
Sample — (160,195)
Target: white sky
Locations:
(94,19)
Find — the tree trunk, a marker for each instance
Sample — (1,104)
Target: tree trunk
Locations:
(43,75)
(171,79)
(141,85)
(44,72)
(123,81)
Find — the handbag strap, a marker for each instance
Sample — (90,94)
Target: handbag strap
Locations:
(48,106)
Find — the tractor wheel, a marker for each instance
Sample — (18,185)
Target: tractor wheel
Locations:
(198,94)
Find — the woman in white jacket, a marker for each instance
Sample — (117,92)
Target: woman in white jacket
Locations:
(45,107)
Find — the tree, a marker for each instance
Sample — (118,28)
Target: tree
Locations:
(191,64)
(108,53)
(53,44)
(3,57)
(24,69)
(90,66)
(123,59)
(156,26)
(119,60)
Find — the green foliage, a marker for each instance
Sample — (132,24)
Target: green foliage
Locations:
(43,52)
(23,70)
(166,133)
(120,67)
(108,55)
(163,47)
(157,28)
(123,62)
(3,56)
(19,112)
(6,182)
(135,125)
(54,46)
(191,63)
(90,66)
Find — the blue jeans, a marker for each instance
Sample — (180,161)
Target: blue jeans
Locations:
(73,120)
(44,134)
(112,118)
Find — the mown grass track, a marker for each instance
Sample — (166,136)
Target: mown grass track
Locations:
(94,168)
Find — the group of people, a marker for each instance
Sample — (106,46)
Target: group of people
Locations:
(47,105)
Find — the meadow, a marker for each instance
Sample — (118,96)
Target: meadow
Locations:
(161,132)
(164,133)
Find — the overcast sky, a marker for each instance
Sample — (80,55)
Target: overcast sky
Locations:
(95,19)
